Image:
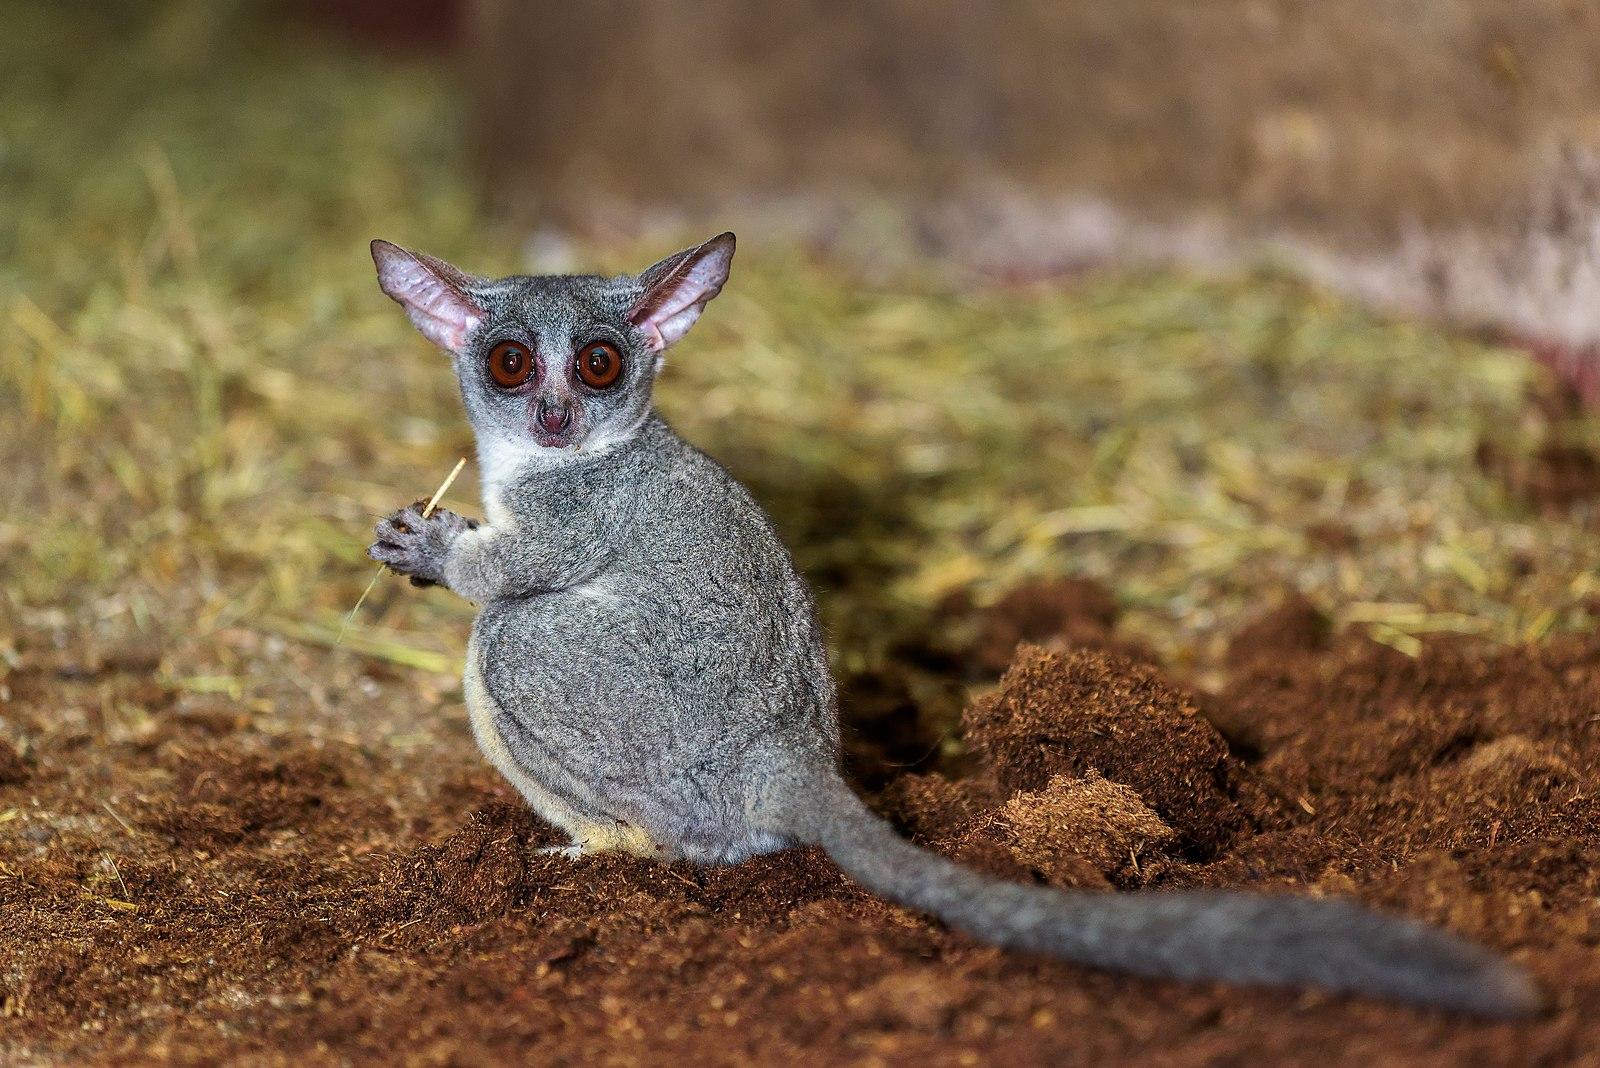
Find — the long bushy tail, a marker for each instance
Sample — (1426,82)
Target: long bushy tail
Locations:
(1234,937)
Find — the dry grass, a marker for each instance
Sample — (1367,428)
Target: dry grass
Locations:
(207,399)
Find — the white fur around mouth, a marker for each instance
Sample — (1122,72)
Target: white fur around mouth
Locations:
(500,457)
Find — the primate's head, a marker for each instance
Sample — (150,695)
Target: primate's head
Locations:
(554,365)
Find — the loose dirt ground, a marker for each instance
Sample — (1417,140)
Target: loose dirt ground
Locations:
(221,840)
(207,887)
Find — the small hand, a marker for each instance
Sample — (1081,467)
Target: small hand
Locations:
(414,546)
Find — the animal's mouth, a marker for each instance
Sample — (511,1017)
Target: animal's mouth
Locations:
(563,439)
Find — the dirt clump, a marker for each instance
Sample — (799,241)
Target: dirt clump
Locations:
(1089,819)
(1294,624)
(1080,758)
(1270,647)
(1516,763)
(484,869)
(1086,712)
(933,808)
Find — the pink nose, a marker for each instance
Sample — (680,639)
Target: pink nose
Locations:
(554,418)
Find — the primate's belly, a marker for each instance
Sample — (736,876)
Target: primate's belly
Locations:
(616,741)
(559,797)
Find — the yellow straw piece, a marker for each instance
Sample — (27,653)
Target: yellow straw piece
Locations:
(444,487)
(438,494)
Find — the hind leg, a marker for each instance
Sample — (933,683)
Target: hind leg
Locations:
(591,832)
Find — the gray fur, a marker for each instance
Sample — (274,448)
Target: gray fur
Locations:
(648,670)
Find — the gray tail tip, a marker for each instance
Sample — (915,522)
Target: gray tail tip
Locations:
(1507,992)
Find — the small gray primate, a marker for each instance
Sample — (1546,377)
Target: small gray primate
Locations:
(648,671)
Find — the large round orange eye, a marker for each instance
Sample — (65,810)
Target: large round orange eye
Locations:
(510,364)
(599,365)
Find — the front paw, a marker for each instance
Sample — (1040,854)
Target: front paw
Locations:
(415,546)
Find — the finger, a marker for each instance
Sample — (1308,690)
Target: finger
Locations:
(385,553)
(391,531)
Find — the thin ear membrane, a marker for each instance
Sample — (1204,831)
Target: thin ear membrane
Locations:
(433,293)
(677,290)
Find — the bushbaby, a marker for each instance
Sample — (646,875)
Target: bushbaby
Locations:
(648,671)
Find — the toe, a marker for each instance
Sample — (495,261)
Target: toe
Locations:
(392,530)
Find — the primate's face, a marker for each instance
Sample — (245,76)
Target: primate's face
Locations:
(555,363)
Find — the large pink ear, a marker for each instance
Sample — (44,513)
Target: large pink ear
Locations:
(677,290)
(433,293)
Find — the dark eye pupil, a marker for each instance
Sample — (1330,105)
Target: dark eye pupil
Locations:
(511,361)
(599,360)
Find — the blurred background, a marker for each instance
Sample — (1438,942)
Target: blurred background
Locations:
(1181,308)
(1435,158)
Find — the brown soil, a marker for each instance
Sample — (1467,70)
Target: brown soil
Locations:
(191,885)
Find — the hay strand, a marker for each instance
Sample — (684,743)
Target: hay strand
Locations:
(433,502)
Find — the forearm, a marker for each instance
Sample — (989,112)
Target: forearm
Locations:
(488,564)
(535,551)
